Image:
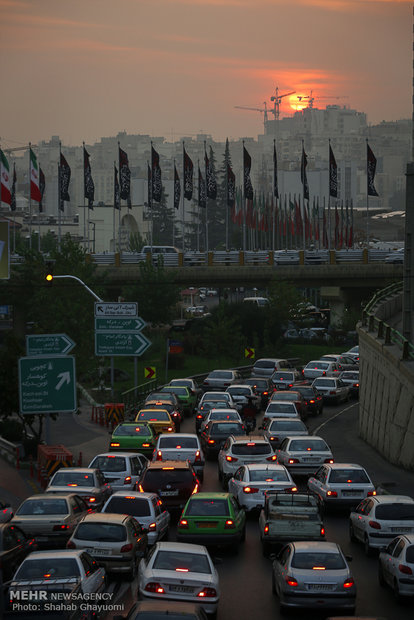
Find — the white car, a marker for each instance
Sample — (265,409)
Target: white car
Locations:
(281,409)
(250,482)
(216,395)
(320,368)
(341,484)
(396,566)
(304,455)
(396,257)
(221,414)
(180,572)
(332,389)
(181,447)
(276,429)
(377,520)
(241,394)
(146,508)
(122,469)
(87,482)
(239,450)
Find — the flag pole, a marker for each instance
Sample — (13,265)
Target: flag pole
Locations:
(183,224)
(113,215)
(59,197)
(227,206)
(38,239)
(84,218)
(30,197)
(367,241)
(198,214)
(205,173)
(244,205)
(119,210)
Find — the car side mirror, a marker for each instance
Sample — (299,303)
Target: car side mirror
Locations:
(348,558)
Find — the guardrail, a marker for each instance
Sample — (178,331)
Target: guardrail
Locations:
(385,302)
(12,452)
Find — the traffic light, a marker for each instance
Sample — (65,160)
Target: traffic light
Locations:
(50,265)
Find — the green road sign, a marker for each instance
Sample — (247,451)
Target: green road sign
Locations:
(47,384)
(48,344)
(120,343)
(120,324)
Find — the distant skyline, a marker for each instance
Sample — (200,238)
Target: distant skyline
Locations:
(87,69)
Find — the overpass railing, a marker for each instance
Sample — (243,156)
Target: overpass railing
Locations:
(383,305)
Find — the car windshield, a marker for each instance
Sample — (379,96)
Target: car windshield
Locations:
(70,479)
(154,416)
(348,475)
(325,383)
(395,511)
(181,562)
(307,392)
(251,448)
(50,506)
(131,430)
(226,428)
(207,507)
(264,364)
(309,561)
(220,374)
(282,376)
(128,505)
(289,425)
(178,442)
(287,407)
(48,568)
(100,532)
(297,445)
(239,391)
(264,475)
(110,463)
(257,383)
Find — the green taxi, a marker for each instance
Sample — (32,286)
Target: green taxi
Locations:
(186,397)
(212,519)
(133,437)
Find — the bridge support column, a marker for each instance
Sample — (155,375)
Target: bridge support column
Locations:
(117,259)
(336,299)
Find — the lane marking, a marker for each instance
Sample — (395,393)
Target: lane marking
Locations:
(315,431)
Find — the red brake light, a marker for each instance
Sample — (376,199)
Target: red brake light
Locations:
(292,461)
(332,494)
(328,461)
(322,531)
(159,455)
(92,500)
(229,524)
(127,480)
(126,548)
(152,526)
(183,524)
(349,583)
(271,458)
(231,459)
(207,593)
(195,490)
(197,456)
(291,581)
(250,490)
(154,587)
(140,489)
(266,529)
(60,528)
(405,569)
(375,525)
(211,441)
(371,493)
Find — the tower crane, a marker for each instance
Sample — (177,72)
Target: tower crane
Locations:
(311,99)
(262,110)
(277,99)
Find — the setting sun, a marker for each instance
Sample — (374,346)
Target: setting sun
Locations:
(299,101)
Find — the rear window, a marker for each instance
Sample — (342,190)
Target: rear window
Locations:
(67,478)
(179,391)
(43,507)
(282,376)
(222,415)
(325,383)
(129,506)
(288,396)
(289,425)
(264,364)
(264,475)
(288,407)
(328,561)
(395,512)
(208,508)
(178,442)
(180,562)
(317,365)
(101,532)
(308,445)
(53,568)
(154,416)
(236,391)
(348,475)
(185,382)
(226,428)
(409,554)
(220,374)
(109,463)
(251,448)
(350,374)
(162,477)
(131,430)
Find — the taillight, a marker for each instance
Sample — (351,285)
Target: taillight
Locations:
(195,490)
(199,417)
(126,548)
(152,586)
(266,529)
(170,429)
(159,456)
(311,402)
(292,461)
(273,438)
(114,444)
(271,458)
(197,456)
(211,441)
(152,527)
(70,545)
(291,490)
(375,525)
(348,583)
(231,459)
(127,480)
(405,569)
(332,392)
(322,531)
(91,500)
(332,494)
(250,490)
(207,593)
(60,528)
(324,374)
(371,493)
(146,445)
(183,524)
(229,524)
(328,461)
(291,581)
(140,489)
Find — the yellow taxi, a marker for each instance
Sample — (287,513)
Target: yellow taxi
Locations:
(159,419)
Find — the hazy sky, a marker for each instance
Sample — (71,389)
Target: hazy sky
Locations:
(82,69)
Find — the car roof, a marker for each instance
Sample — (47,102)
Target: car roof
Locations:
(223,410)
(135,494)
(307,437)
(170,463)
(54,553)
(115,454)
(344,466)
(249,438)
(389,499)
(276,419)
(238,385)
(82,470)
(261,466)
(178,435)
(211,495)
(311,545)
(181,547)
(105,517)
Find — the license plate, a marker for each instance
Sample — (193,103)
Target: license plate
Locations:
(187,589)
(320,587)
(352,493)
(401,529)
(93,551)
(310,459)
(206,524)
(165,493)
(41,538)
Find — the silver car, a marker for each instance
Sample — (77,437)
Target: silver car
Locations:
(304,455)
(122,470)
(313,575)
(320,368)
(396,566)
(250,483)
(242,393)
(341,484)
(277,428)
(87,482)
(332,389)
(221,379)
(181,447)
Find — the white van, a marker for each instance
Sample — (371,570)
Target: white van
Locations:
(260,302)
(160,249)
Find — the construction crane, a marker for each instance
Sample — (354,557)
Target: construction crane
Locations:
(311,99)
(262,110)
(277,99)
(18,148)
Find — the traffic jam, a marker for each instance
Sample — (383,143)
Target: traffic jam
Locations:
(216,500)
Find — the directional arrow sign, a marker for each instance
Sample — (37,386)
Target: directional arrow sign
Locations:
(114,324)
(120,343)
(47,384)
(48,344)
(249,352)
(114,309)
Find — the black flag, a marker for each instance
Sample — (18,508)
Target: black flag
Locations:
(303,176)
(202,199)
(149,188)
(124,177)
(156,175)
(275,184)
(247,184)
(333,175)
(371,167)
(211,185)
(177,189)
(188,176)
(231,187)
(13,191)
(117,193)
(89,186)
(42,187)
(64,180)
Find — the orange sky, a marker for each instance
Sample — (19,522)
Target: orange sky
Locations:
(83,69)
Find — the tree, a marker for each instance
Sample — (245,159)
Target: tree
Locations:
(162,221)
(215,214)
(222,205)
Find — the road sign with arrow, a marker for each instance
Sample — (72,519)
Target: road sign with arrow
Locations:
(47,384)
(48,344)
(120,343)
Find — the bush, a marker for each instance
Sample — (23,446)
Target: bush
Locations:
(12,430)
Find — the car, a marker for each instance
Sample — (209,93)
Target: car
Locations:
(180,572)
(165,403)
(351,379)
(341,484)
(50,519)
(262,387)
(212,519)
(159,419)
(181,447)
(396,566)
(304,455)
(396,257)
(215,434)
(133,437)
(239,450)
(221,379)
(116,541)
(291,396)
(215,415)
(332,389)
(377,520)
(185,395)
(345,362)
(311,574)
(88,482)
(211,292)
(266,366)
(216,395)
(6,512)
(320,368)
(281,409)
(143,610)
(173,481)
(313,399)
(122,470)
(277,428)
(41,569)
(165,397)
(146,508)
(242,394)
(14,547)
(250,483)
(284,379)
(189,383)
(354,353)
(210,405)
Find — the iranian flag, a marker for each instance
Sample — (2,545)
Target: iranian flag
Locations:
(5,179)
(34,178)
